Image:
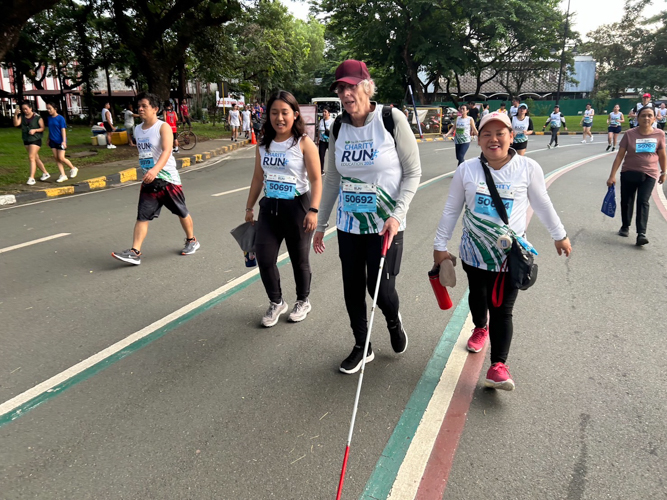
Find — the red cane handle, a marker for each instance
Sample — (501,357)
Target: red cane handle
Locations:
(385,244)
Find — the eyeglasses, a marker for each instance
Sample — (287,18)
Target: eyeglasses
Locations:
(340,89)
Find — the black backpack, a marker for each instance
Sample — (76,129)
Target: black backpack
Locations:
(387,120)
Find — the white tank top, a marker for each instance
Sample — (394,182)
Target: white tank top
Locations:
(150,150)
(283,163)
(366,157)
(615,119)
(519,127)
(555,120)
(588,115)
(462,130)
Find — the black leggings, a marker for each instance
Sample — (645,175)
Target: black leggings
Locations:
(480,283)
(554,136)
(322,147)
(641,185)
(461,150)
(278,220)
(360,258)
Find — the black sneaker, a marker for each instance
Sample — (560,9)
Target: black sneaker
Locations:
(641,240)
(613,149)
(608,147)
(399,338)
(352,363)
(624,231)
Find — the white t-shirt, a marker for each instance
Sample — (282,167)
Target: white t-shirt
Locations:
(149,146)
(129,118)
(106,116)
(283,164)
(234,118)
(520,184)
(661,114)
(324,126)
(513,111)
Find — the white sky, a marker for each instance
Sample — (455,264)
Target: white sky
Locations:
(590,13)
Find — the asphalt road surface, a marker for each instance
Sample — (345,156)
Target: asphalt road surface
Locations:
(201,402)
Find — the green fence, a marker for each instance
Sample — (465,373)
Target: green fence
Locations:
(569,107)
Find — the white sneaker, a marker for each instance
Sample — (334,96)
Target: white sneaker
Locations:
(62,178)
(273,313)
(45,176)
(591,139)
(73,172)
(584,141)
(300,311)
(31,181)
(111,146)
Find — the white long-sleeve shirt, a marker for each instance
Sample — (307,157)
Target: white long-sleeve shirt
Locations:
(520,183)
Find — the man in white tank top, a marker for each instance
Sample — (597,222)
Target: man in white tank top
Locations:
(161,184)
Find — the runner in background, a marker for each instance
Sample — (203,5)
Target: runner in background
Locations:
(463,132)
(234,120)
(473,112)
(58,142)
(285,162)
(661,115)
(185,114)
(514,109)
(245,116)
(522,127)
(641,151)
(587,122)
(171,118)
(614,121)
(324,131)
(646,102)
(554,121)
(485,110)
(128,117)
(32,128)
(161,183)
(502,108)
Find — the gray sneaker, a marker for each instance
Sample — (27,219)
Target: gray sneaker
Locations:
(129,256)
(273,313)
(300,311)
(190,247)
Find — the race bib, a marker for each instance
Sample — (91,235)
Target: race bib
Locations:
(555,123)
(460,132)
(146,161)
(280,186)
(359,197)
(484,203)
(587,121)
(615,123)
(646,145)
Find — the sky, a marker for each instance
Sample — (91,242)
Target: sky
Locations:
(589,13)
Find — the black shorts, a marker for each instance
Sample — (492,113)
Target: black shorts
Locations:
(151,202)
(56,145)
(614,130)
(186,119)
(36,143)
(517,146)
(107,126)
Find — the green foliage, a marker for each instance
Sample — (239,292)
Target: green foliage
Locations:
(600,100)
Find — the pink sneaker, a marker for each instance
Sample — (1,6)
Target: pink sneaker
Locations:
(498,377)
(477,339)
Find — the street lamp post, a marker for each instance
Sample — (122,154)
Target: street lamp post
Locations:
(562,54)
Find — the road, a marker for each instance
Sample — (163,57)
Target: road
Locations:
(201,402)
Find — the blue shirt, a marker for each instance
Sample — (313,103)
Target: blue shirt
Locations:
(56,124)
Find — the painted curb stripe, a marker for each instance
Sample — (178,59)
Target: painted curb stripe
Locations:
(386,469)
(660,200)
(61,191)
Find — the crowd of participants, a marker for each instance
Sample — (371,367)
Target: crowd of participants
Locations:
(373,151)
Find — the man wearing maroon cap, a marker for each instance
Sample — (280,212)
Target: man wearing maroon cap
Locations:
(646,103)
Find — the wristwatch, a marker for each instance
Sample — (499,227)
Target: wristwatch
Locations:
(314,210)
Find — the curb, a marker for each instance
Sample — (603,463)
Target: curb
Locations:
(128,175)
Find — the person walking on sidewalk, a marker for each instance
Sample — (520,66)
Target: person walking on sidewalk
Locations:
(285,161)
(161,184)
(129,115)
(185,114)
(324,131)
(633,115)
(32,128)
(522,127)
(171,118)
(555,120)
(58,142)
(641,151)
(614,121)
(245,115)
(587,122)
(520,182)
(374,152)
(463,132)
(234,120)
(107,123)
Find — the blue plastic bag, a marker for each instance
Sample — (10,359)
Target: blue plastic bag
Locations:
(609,203)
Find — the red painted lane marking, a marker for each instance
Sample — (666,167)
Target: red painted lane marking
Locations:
(434,480)
(658,201)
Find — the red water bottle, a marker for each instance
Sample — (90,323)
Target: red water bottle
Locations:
(440,291)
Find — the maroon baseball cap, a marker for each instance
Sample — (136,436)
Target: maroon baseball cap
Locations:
(352,72)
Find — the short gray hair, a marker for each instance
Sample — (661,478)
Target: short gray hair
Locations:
(369,87)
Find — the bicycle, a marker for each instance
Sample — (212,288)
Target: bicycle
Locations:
(186,140)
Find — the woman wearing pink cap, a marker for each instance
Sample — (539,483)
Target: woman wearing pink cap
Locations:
(372,151)
(520,184)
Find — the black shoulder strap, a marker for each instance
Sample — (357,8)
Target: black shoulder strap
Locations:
(495,196)
(387,120)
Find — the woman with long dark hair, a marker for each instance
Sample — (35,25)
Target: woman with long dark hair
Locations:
(287,167)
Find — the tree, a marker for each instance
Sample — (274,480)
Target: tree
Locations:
(14,16)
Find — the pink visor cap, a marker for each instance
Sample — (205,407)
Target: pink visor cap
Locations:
(493,117)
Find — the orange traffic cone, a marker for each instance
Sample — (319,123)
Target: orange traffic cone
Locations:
(253,139)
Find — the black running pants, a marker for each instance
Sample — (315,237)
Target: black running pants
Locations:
(554,136)
(480,284)
(640,185)
(322,148)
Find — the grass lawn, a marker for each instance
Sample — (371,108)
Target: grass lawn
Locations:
(14,165)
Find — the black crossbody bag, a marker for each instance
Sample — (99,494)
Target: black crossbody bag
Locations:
(521,269)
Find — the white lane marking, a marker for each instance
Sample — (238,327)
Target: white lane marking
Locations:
(415,461)
(33,242)
(443,149)
(232,191)
(548,149)
(48,385)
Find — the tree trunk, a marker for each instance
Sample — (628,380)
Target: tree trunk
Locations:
(14,18)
